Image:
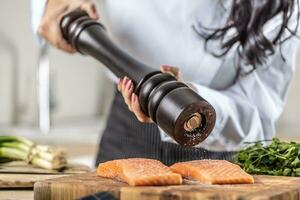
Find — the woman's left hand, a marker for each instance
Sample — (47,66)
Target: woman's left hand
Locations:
(126,87)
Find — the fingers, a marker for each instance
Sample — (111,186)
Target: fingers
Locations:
(136,109)
(90,8)
(127,93)
(63,45)
(122,84)
(174,71)
(54,11)
(126,87)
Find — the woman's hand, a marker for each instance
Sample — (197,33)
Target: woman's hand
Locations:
(54,11)
(126,87)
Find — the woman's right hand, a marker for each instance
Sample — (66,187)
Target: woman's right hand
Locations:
(54,11)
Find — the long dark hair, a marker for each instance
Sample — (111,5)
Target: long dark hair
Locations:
(247,19)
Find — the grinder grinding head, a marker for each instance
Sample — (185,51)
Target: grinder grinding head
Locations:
(187,117)
(177,109)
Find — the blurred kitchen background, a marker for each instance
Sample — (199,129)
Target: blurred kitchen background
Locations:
(80,93)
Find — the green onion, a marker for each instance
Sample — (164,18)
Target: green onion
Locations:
(17,148)
(12,153)
(17,145)
(15,139)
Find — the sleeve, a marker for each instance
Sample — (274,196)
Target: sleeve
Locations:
(248,110)
(37,10)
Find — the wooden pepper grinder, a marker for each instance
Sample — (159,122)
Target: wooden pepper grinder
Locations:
(172,105)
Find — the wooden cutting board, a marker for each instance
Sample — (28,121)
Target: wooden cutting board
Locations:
(75,186)
(21,175)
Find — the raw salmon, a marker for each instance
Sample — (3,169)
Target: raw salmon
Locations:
(212,172)
(139,172)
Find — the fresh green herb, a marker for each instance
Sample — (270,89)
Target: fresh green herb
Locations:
(17,148)
(278,158)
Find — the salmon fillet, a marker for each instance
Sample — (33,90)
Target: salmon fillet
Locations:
(139,172)
(212,172)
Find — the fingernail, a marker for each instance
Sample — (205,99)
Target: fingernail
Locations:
(125,81)
(128,84)
(95,16)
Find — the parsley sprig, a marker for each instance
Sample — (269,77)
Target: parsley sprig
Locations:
(278,158)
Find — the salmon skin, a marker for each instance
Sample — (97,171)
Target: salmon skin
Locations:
(212,172)
(139,172)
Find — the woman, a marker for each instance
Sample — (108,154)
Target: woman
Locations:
(237,54)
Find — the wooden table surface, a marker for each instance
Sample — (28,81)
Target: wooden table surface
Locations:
(16,194)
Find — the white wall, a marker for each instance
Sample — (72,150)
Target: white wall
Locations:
(289,123)
(6,81)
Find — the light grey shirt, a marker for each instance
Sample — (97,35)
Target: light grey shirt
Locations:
(160,32)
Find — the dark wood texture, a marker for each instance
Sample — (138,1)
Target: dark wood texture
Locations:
(75,186)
